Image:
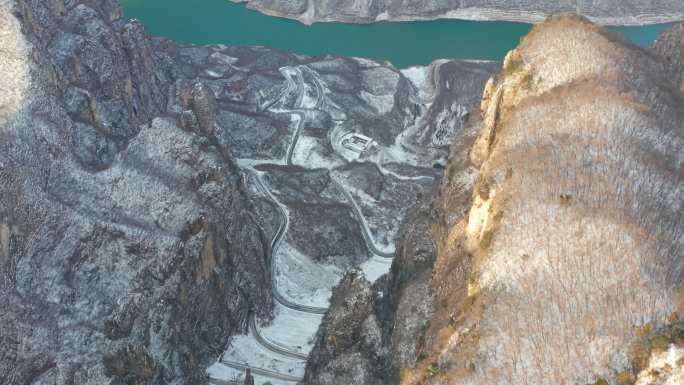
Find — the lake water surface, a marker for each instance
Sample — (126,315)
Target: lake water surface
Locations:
(402,43)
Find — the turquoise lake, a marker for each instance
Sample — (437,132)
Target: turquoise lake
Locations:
(402,43)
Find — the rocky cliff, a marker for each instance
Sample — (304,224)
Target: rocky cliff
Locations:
(670,46)
(129,251)
(144,185)
(601,11)
(557,254)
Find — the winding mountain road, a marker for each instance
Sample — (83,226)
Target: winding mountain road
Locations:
(284,225)
(271,346)
(275,243)
(366,230)
(262,372)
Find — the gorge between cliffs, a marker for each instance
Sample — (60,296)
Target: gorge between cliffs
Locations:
(219,214)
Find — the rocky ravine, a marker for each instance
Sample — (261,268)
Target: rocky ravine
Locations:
(559,248)
(611,12)
(132,243)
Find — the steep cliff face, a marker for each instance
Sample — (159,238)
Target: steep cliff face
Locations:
(371,331)
(132,245)
(601,11)
(579,172)
(129,251)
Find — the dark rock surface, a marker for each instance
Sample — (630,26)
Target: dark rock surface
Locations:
(131,244)
(349,342)
(601,11)
(130,251)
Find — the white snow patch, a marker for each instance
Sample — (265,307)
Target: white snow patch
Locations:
(382,240)
(291,329)
(303,281)
(212,73)
(376,267)
(664,368)
(223,58)
(386,172)
(307,102)
(251,163)
(382,16)
(219,371)
(245,350)
(381,103)
(308,153)
(366,62)
(224,373)
(419,76)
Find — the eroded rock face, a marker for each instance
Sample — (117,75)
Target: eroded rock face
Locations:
(664,368)
(349,343)
(602,11)
(385,329)
(129,251)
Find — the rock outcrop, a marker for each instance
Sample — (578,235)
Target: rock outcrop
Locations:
(372,331)
(129,251)
(348,338)
(132,244)
(670,45)
(601,11)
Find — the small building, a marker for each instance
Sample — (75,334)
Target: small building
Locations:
(357,142)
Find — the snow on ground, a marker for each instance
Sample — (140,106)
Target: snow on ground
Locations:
(420,77)
(297,277)
(309,97)
(382,103)
(398,152)
(303,281)
(382,222)
(223,58)
(296,119)
(382,16)
(261,380)
(375,267)
(386,172)
(335,137)
(381,227)
(363,62)
(226,373)
(445,123)
(310,153)
(251,163)
(245,350)
(291,329)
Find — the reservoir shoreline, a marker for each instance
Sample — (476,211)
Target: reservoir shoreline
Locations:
(468,14)
(404,44)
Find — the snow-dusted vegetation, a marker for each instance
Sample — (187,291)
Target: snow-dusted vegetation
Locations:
(576,231)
